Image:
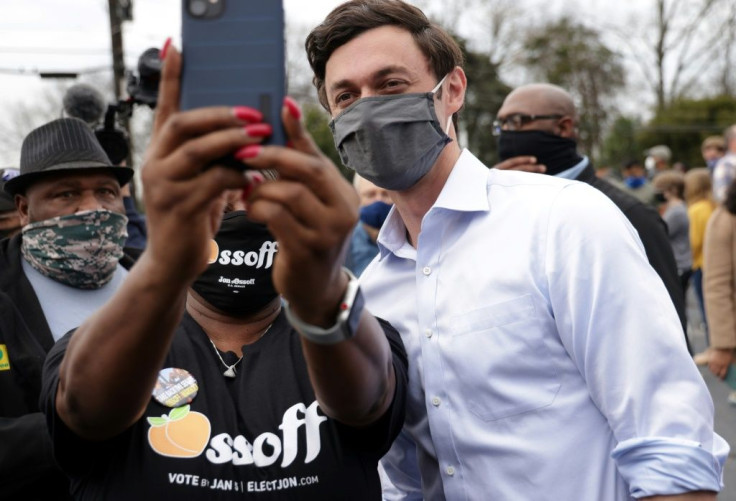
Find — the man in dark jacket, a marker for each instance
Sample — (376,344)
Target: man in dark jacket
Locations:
(67,261)
(9,220)
(537,132)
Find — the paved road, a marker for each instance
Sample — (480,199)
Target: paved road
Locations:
(724,412)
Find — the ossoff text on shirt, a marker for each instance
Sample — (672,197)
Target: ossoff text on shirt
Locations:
(252,258)
(224,448)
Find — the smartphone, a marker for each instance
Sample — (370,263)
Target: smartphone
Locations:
(234,55)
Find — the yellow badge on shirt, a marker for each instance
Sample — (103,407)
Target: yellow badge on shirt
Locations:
(4,359)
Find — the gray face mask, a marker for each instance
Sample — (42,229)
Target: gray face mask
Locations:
(392,141)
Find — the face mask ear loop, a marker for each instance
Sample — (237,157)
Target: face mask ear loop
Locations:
(439,84)
(434,91)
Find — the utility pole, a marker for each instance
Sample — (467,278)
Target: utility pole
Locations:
(118,60)
(121,10)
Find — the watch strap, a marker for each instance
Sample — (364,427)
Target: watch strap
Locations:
(347,321)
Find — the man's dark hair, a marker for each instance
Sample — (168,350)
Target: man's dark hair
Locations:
(670,180)
(631,164)
(352,18)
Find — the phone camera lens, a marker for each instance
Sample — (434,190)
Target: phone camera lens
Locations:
(198,8)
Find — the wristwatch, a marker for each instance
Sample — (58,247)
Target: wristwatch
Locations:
(347,322)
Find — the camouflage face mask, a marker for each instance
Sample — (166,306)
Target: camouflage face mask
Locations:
(81,250)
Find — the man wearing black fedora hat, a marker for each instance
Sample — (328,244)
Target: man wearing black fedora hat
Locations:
(66,262)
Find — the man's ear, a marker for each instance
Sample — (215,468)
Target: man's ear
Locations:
(568,128)
(457,84)
(21,204)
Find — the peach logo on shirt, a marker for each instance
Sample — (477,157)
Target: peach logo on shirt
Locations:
(181,434)
(214,252)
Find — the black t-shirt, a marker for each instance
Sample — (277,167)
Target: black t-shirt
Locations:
(258,436)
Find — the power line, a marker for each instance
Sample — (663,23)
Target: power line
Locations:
(36,72)
(52,50)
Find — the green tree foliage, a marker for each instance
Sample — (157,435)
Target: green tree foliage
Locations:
(573,56)
(686,123)
(483,98)
(316,121)
(621,144)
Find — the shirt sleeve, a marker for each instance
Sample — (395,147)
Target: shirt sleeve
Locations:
(698,220)
(379,436)
(676,221)
(619,327)
(74,455)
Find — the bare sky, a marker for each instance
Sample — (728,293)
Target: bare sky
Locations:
(74,35)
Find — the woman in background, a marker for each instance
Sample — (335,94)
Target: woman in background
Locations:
(719,286)
(669,189)
(700,206)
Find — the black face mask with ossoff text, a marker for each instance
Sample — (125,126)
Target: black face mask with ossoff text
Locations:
(557,153)
(238,280)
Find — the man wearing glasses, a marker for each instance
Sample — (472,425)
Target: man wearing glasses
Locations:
(536,129)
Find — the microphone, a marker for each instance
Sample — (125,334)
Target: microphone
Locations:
(84,102)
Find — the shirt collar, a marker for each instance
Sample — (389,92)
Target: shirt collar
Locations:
(574,171)
(465,191)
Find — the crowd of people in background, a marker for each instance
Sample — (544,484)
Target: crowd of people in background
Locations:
(488,294)
(687,200)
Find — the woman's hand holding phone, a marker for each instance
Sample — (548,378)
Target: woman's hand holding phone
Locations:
(183,200)
(312,210)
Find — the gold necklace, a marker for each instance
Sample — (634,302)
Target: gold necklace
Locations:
(230,369)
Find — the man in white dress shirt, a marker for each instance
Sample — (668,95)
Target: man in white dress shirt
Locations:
(546,359)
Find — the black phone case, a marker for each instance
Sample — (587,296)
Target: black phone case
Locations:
(234,55)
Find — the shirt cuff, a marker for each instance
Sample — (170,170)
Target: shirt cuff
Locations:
(667,466)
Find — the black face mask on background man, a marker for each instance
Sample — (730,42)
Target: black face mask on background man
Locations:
(557,153)
(238,280)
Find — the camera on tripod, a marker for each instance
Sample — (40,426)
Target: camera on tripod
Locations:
(87,103)
(142,88)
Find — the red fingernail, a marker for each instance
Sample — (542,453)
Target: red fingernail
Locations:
(258,130)
(165,49)
(290,144)
(247,191)
(250,151)
(258,178)
(294,109)
(247,114)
